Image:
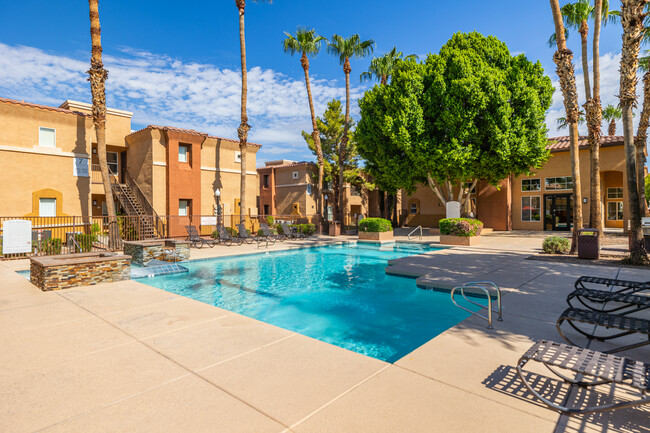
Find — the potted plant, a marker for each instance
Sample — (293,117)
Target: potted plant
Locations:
(460,231)
(375,229)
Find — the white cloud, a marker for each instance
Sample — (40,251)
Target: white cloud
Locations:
(167,91)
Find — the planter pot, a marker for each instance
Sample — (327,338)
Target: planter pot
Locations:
(460,240)
(376,236)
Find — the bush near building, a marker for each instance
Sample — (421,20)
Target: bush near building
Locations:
(375,225)
(556,245)
(464,227)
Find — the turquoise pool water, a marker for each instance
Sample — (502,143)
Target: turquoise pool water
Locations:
(337,294)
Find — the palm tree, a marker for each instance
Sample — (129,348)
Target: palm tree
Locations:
(344,49)
(381,68)
(244,127)
(642,134)
(632,13)
(308,43)
(611,114)
(561,122)
(563,58)
(97,77)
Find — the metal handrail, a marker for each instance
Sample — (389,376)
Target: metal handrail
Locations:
(144,201)
(414,230)
(480,285)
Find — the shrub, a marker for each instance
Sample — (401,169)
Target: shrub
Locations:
(270,221)
(556,245)
(85,242)
(375,225)
(278,227)
(306,229)
(464,227)
(50,246)
(230,230)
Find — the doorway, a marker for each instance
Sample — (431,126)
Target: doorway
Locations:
(558,212)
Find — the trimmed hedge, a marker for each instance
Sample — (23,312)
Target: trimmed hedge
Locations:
(375,225)
(464,227)
(556,245)
(50,246)
(85,242)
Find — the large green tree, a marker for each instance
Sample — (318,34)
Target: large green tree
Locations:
(472,112)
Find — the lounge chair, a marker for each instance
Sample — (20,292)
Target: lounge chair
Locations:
(269,234)
(609,302)
(196,239)
(245,236)
(626,324)
(617,286)
(598,367)
(290,233)
(226,238)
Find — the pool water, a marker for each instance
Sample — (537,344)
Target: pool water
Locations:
(338,294)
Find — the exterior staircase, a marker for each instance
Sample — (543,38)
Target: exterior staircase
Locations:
(141,215)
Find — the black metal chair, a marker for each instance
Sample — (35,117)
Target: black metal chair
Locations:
(226,238)
(269,234)
(290,233)
(196,239)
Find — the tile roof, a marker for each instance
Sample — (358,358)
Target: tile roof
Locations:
(42,107)
(561,144)
(192,132)
(293,164)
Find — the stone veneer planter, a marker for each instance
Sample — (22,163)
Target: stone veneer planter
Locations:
(74,270)
(167,250)
(460,240)
(376,236)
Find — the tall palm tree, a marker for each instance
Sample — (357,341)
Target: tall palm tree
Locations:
(642,134)
(561,122)
(308,43)
(97,77)
(632,14)
(563,58)
(244,127)
(381,69)
(344,49)
(611,114)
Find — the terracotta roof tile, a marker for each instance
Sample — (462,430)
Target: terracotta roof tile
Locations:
(293,164)
(192,132)
(42,107)
(561,144)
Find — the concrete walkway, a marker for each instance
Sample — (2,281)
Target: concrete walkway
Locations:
(126,357)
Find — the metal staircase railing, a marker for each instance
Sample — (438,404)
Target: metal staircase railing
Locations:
(485,287)
(135,203)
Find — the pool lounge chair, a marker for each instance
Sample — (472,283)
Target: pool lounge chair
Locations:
(226,238)
(290,233)
(197,240)
(597,367)
(245,236)
(609,302)
(627,325)
(266,236)
(617,286)
(269,234)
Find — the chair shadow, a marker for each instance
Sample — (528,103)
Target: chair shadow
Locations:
(633,420)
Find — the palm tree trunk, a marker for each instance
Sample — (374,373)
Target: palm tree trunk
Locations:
(563,58)
(584,30)
(316,137)
(632,17)
(97,77)
(344,141)
(594,115)
(611,130)
(244,127)
(640,144)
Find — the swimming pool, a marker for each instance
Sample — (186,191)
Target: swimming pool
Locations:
(339,294)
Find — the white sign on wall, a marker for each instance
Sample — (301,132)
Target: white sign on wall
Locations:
(16,237)
(209,221)
(453,209)
(80,168)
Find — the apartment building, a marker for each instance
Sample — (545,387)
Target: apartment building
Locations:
(543,200)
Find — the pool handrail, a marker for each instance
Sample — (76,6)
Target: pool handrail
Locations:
(482,286)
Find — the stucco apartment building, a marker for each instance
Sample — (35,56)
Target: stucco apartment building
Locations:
(543,200)
(49,165)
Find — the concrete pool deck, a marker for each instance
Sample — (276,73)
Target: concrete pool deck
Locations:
(132,358)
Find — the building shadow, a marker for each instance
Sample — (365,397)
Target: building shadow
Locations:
(83,183)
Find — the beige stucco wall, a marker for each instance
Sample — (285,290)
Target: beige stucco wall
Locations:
(289,190)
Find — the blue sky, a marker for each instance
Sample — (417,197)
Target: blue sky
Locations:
(177,63)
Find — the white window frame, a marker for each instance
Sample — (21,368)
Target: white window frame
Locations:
(530,220)
(238,156)
(110,163)
(414,209)
(184,154)
(294,175)
(187,207)
(546,188)
(531,190)
(309,189)
(617,197)
(40,137)
(50,200)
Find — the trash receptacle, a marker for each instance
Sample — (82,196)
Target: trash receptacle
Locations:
(588,244)
(646,237)
(335,228)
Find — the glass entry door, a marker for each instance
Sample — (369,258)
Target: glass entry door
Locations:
(558,212)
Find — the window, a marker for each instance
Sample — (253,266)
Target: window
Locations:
(237,156)
(111,159)
(615,211)
(557,183)
(266,209)
(46,137)
(468,185)
(531,184)
(614,193)
(294,175)
(414,208)
(266,180)
(530,209)
(184,207)
(183,153)
(47,207)
(309,189)
(104,209)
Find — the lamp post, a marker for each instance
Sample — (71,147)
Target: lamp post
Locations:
(217,194)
